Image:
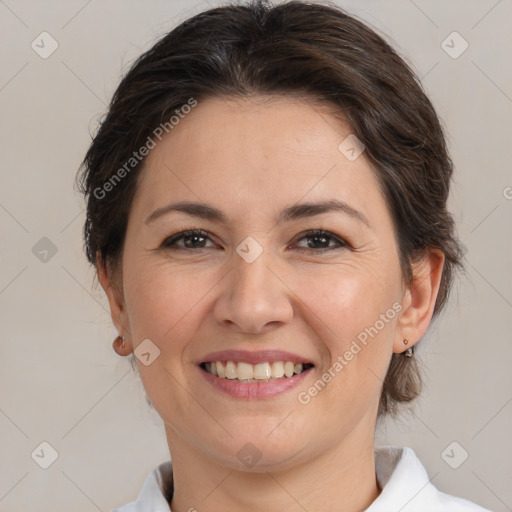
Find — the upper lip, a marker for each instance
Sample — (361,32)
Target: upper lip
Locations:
(246,356)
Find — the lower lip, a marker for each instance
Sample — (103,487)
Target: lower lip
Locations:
(254,390)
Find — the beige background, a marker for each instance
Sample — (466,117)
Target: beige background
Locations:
(60,380)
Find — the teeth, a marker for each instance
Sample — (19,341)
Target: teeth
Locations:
(244,371)
(220,369)
(250,373)
(230,370)
(289,368)
(262,371)
(277,370)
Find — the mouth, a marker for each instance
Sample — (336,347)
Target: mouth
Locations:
(254,375)
(248,373)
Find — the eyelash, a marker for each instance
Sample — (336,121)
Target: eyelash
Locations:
(170,242)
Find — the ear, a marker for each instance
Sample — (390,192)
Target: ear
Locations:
(116,302)
(419,299)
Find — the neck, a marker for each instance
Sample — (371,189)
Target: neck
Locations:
(341,478)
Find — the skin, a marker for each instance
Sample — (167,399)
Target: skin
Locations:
(251,158)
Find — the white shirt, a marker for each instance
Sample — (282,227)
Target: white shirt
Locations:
(401,476)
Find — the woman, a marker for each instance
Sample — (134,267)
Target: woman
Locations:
(267,216)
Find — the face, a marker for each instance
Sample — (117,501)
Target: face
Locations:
(258,282)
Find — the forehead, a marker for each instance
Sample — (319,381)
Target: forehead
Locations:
(254,154)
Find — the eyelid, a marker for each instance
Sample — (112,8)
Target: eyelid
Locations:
(181,233)
(308,233)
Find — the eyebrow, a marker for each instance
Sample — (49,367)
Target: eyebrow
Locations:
(296,211)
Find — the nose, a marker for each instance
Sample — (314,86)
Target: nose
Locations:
(255,297)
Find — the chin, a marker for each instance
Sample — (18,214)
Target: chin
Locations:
(259,453)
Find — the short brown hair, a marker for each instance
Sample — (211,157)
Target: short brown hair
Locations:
(295,48)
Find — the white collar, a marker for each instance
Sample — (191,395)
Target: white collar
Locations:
(404,481)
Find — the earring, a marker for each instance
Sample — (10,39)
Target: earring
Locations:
(119,344)
(410,351)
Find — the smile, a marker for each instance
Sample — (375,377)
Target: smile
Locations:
(252,373)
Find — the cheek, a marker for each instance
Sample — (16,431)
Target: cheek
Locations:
(346,298)
(161,301)
(353,312)
(163,304)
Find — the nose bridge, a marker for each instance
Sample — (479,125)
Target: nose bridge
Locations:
(255,296)
(251,269)
(252,275)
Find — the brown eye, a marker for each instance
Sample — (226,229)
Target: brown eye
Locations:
(318,240)
(321,240)
(192,239)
